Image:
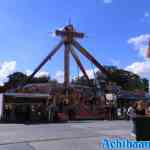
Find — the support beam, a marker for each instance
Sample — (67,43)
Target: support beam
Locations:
(90,57)
(75,56)
(69,34)
(66,69)
(48,57)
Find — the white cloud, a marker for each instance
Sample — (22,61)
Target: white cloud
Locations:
(140,43)
(6,68)
(140,68)
(59,76)
(107,1)
(39,74)
(90,73)
(146,14)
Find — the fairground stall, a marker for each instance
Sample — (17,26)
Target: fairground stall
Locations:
(20,107)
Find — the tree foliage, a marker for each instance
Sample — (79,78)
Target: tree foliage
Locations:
(19,79)
(128,80)
(125,79)
(16,79)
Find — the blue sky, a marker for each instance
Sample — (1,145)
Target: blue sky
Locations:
(117,32)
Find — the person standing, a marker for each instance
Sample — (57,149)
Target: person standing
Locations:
(119,113)
(137,110)
(51,111)
(7,112)
(131,112)
(140,108)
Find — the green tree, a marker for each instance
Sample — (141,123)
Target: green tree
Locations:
(125,79)
(43,79)
(16,79)
(19,79)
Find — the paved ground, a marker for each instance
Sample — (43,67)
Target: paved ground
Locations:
(83,135)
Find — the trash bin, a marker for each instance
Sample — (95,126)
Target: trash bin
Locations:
(142,128)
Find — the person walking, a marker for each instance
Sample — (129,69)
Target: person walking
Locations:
(51,111)
(138,110)
(131,112)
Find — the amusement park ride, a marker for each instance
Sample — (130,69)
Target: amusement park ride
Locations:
(148,50)
(74,101)
(68,39)
(82,101)
(82,104)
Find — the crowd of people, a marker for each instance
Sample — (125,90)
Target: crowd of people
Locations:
(138,109)
(52,110)
(129,111)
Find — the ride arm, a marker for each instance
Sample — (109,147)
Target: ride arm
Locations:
(48,57)
(75,56)
(90,57)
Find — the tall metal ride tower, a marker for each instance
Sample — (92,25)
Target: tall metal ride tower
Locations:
(68,39)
